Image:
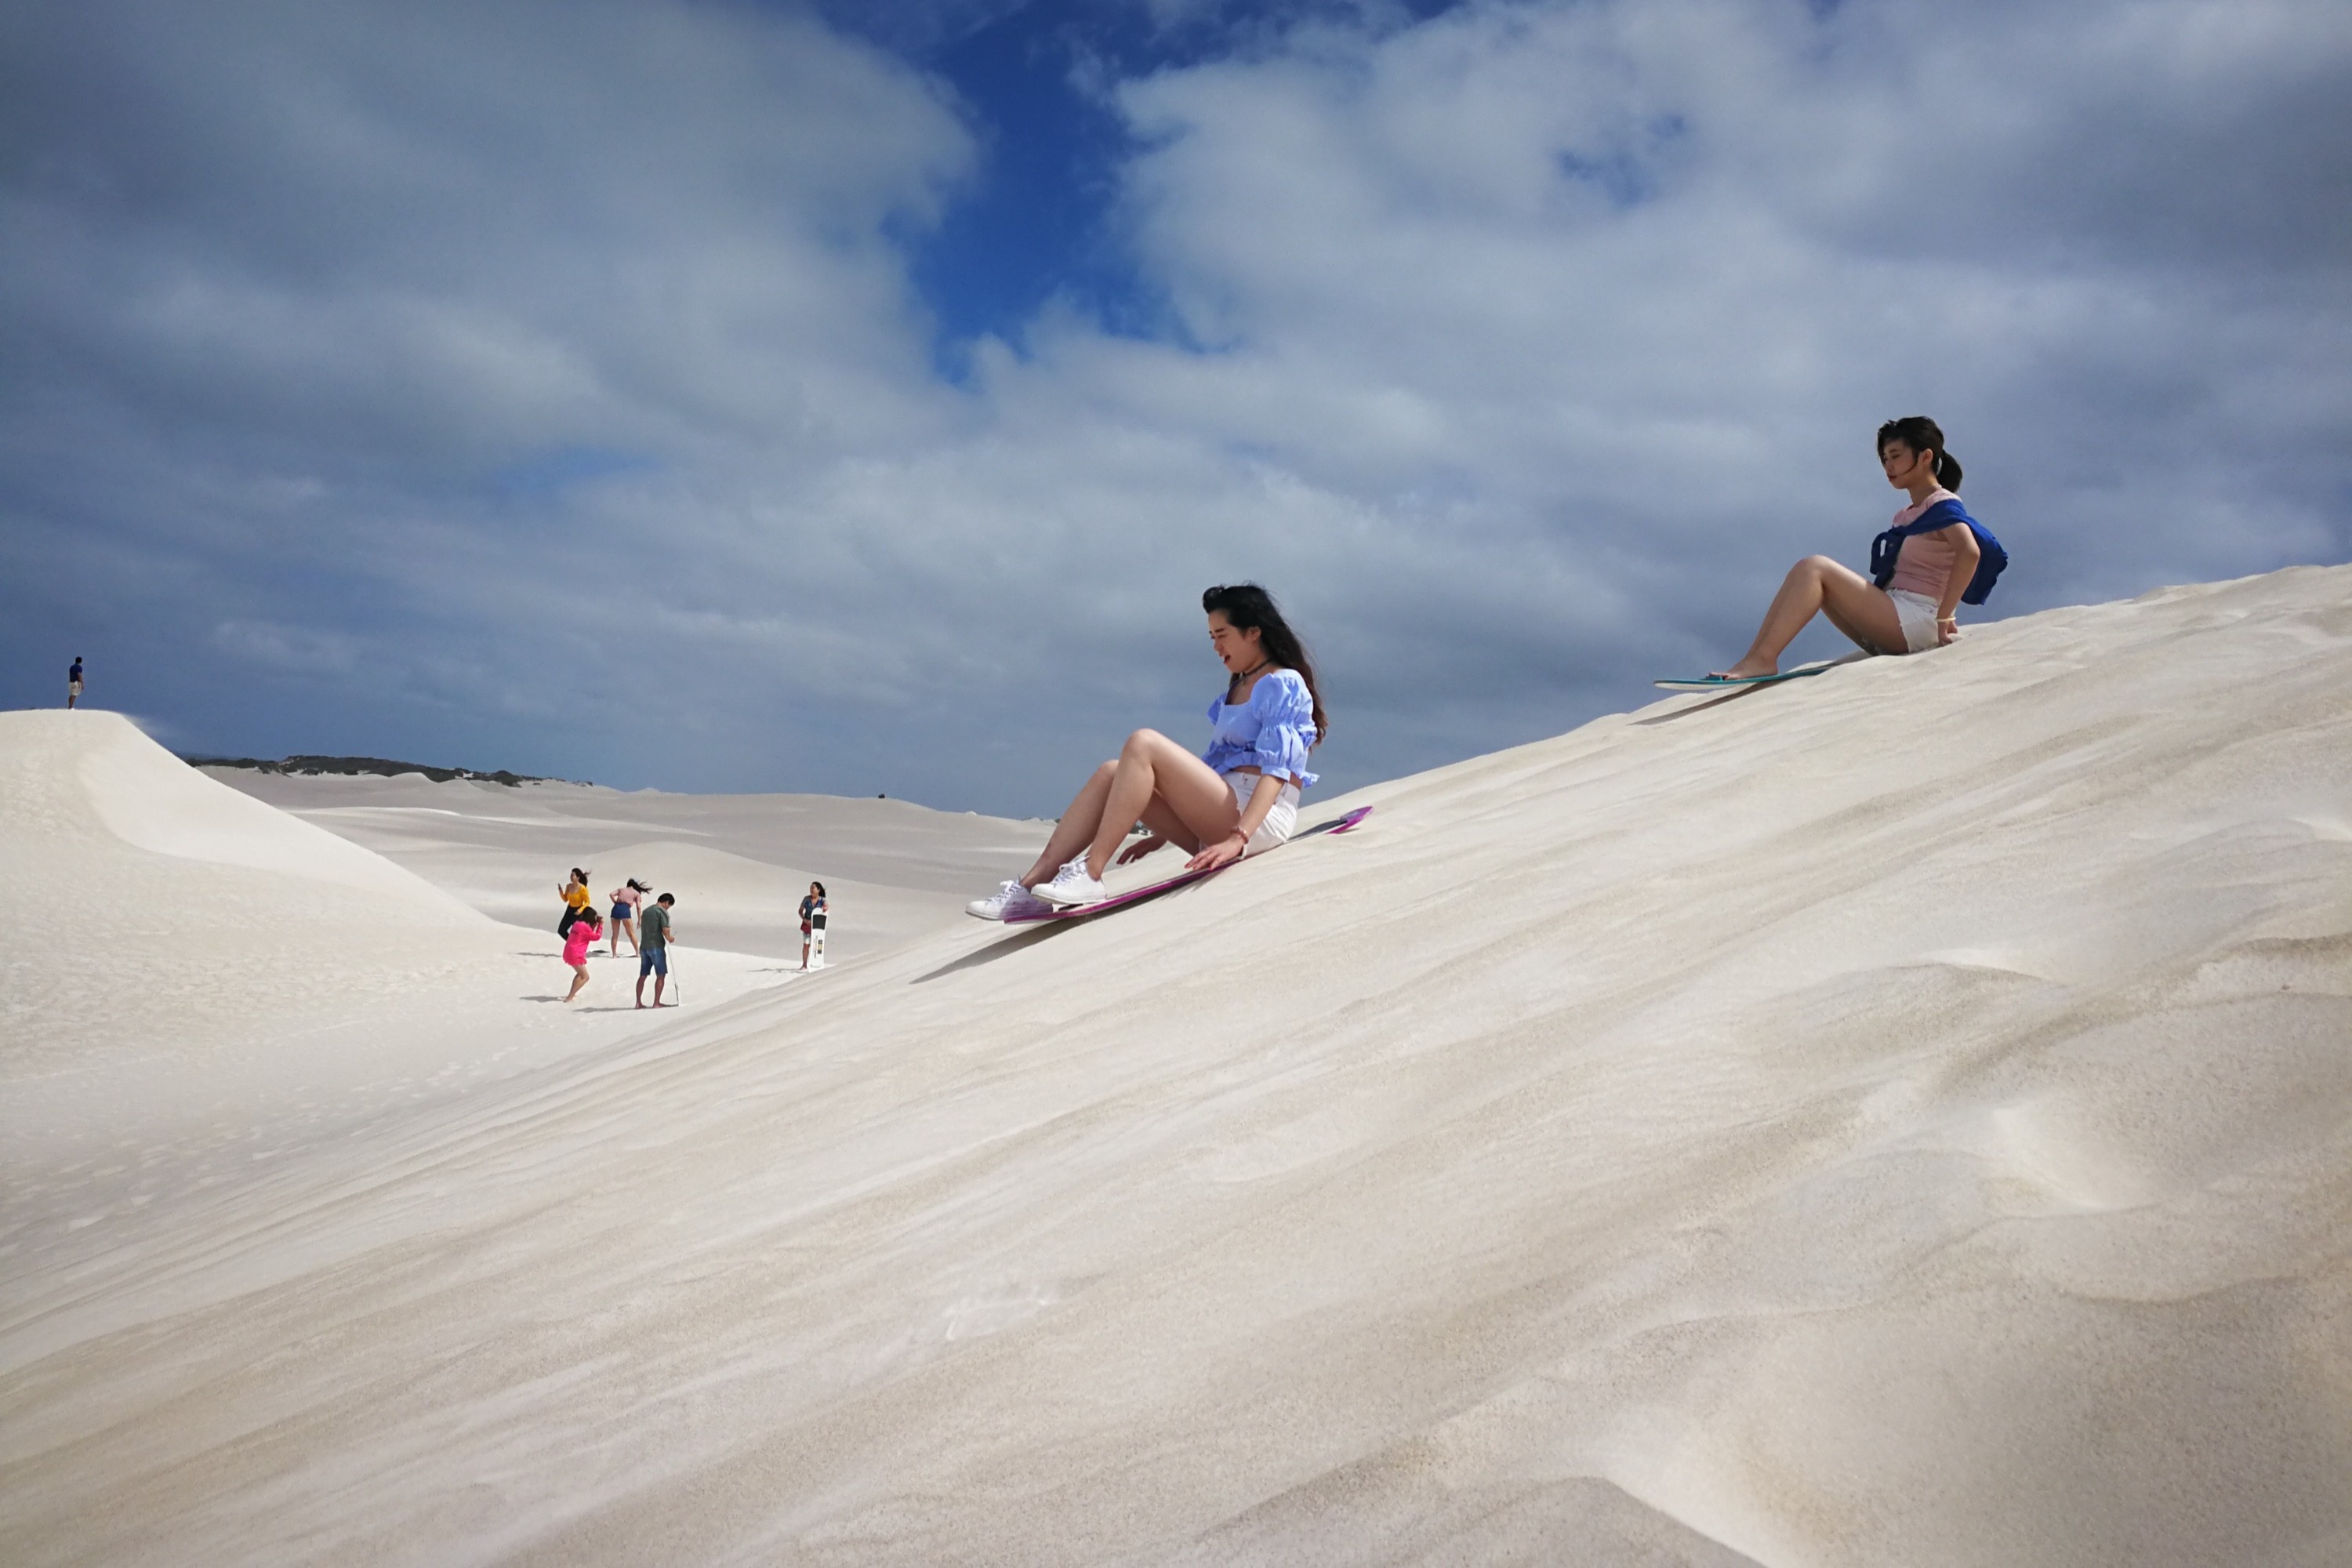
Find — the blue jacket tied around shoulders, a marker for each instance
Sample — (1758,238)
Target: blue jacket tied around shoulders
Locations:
(1990,563)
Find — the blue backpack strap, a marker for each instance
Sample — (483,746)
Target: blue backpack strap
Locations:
(1889,544)
(1991,559)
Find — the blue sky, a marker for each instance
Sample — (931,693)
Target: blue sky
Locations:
(856,399)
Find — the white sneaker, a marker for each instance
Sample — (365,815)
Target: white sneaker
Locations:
(1074,884)
(1012,898)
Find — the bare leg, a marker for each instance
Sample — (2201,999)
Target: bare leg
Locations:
(1829,614)
(1151,767)
(1817,585)
(579,978)
(659,981)
(1076,829)
(1162,818)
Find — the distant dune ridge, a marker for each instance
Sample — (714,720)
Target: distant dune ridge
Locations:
(1898,1117)
(379,767)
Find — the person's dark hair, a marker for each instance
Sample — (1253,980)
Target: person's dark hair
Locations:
(1922,433)
(1245,606)
(817,887)
(578,875)
(665,898)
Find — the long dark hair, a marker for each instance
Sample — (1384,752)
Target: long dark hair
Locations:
(816,890)
(1922,433)
(1246,606)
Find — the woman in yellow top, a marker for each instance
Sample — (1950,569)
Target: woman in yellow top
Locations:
(577,900)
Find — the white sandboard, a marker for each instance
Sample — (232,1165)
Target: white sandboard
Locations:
(1153,889)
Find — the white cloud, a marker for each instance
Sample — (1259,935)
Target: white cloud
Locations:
(1519,351)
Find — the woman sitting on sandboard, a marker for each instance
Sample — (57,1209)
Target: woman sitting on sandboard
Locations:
(1920,575)
(1240,798)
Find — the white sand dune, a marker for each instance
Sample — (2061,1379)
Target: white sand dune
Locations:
(1903,1117)
(211,982)
(738,864)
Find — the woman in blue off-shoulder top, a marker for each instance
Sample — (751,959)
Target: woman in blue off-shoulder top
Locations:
(1241,796)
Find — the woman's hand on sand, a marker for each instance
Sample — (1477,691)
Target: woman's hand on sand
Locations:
(1947,632)
(1138,850)
(1224,852)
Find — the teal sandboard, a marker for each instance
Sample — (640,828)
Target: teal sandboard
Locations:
(1717,683)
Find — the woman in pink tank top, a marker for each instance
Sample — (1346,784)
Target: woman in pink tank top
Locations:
(1914,612)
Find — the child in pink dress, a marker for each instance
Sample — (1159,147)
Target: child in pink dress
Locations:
(576,943)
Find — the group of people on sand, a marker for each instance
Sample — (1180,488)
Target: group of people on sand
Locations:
(647,925)
(1241,797)
(646,922)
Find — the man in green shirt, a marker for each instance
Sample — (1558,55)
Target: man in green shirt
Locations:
(653,931)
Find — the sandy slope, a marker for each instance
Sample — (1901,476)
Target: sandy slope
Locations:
(198,982)
(1904,1117)
(738,864)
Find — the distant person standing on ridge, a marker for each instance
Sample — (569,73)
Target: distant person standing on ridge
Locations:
(653,931)
(73,683)
(1908,603)
(624,915)
(1238,798)
(577,900)
(575,950)
(812,920)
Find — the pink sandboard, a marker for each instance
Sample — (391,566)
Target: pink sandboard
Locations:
(1153,889)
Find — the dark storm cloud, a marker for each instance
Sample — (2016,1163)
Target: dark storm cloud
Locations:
(548,386)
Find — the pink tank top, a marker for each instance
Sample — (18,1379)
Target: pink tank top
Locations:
(1926,563)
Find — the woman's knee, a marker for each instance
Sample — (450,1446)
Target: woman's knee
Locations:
(1141,741)
(1812,566)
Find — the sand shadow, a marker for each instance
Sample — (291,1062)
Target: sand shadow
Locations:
(1732,696)
(999,948)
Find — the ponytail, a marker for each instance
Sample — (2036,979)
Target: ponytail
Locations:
(1921,434)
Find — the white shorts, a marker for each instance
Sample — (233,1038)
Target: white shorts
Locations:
(1279,824)
(1917,614)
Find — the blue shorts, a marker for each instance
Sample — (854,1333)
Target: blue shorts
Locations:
(623,912)
(653,961)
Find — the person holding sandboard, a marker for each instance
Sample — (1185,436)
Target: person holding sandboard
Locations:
(813,911)
(1239,798)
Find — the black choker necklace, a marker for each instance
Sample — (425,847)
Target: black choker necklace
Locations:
(1245,674)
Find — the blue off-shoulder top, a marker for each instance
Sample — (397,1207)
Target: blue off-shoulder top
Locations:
(1271,733)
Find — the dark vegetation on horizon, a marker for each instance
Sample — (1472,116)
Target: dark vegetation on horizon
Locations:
(383,767)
